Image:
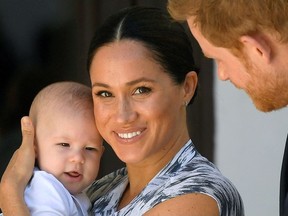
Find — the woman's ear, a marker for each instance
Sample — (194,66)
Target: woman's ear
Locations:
(257,47)
(103,149)
(190,85)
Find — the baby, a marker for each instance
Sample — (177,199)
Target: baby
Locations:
(68,150)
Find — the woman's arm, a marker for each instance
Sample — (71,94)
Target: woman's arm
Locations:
(18,173)
(195,204)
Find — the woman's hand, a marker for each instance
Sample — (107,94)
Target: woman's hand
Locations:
(18,173)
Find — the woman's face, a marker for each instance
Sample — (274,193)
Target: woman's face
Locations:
(138,109)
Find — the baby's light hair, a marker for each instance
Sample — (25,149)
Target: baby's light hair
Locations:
(60,95)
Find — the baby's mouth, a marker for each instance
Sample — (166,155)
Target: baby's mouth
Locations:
(73,174)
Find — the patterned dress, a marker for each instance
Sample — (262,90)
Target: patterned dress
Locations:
(188,172)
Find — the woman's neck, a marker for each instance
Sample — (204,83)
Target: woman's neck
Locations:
(141,174)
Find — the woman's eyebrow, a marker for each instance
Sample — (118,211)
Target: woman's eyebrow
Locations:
(142,79)
(133,82)
(100,85)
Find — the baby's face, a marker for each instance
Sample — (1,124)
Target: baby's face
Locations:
(69,147)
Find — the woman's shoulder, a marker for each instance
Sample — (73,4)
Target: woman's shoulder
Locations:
(193,173)
(201,175)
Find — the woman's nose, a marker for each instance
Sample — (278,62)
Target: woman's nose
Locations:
(125,111)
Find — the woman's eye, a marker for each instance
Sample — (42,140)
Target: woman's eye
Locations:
(104,94)
(142,90)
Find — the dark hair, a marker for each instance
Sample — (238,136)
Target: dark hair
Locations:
(169,44)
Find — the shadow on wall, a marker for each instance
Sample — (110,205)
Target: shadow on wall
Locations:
(16,103)
(21,82)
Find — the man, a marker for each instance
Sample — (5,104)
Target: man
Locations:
(249,42)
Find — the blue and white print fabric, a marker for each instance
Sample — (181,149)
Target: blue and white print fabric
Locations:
(188,172)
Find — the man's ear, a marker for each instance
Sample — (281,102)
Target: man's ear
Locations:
(190,85)
(257,47)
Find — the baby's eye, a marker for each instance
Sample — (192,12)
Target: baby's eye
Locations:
(104,94)
(90,149)
(142,90)
(64,144)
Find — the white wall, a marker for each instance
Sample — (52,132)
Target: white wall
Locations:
(249,148)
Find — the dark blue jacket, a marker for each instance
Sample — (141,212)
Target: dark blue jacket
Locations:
(284,183)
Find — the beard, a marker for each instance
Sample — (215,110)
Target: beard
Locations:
(267,89)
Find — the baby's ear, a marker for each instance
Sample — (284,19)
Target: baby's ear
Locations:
(258,47)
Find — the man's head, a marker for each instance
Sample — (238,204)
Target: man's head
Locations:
(223,22)
(247,39)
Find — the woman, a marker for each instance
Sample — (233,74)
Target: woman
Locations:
(142,80)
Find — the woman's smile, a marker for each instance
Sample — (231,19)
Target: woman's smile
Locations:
(129,135)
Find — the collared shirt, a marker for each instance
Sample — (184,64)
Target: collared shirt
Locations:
(45,195)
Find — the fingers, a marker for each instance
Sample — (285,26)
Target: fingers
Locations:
(25,155)
(27,132)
